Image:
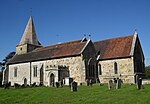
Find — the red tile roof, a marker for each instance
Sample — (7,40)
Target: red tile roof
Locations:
(109,49)
(66,49)
(114,48)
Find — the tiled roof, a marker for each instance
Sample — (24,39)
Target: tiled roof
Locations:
(29,35)
(54,51)
(114,48)
(109,49)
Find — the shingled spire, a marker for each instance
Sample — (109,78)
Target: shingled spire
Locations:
(29,35)
(29,40)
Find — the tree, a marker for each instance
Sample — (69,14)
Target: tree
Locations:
(6,59)
(147,72)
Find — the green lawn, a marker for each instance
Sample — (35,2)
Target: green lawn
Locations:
(96,94)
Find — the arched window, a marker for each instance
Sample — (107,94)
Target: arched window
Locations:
(99,69)
(115,68)
(35,71)
(15,71)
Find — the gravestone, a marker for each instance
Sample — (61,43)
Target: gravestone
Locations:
(57,84)
(64,81)
(16,85)
(87,82)
(61,83)
(68,80)
(139,83)
(115,80)
(118,84)
(110,84)
(74,86)
(90,82)
(53,84)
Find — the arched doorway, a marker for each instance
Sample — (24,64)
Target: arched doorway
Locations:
(52,79)
(91,69)
(25,82)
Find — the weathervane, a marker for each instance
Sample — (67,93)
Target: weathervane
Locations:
(31,11)
(135,31)
(89,36)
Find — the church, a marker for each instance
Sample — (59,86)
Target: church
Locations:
(79,60)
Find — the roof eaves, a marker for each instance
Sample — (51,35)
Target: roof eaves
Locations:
(41,59)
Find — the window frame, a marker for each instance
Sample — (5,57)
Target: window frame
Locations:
(99,69)
(115,68)
(15,71)
(35,71)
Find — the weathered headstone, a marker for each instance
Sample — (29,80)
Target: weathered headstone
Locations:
(16,85)
(115,80)
(139,83)
(52,84)
(118,84)
(97,80)
(74,86)
(110,84)
(87,82)
(90,82)
(57,84)
(34,84)
(61,83)
(68,80)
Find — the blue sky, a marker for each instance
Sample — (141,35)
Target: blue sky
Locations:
(64,20)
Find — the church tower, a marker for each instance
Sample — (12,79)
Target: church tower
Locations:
(29,39)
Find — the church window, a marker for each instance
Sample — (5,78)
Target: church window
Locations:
(35,71)
(15,72)
(91,70)
(99,68)
(115,68)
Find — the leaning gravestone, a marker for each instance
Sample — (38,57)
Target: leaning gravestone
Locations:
(118,85)
(74,86)
(110,84)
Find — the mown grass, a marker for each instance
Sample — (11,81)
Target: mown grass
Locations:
(95,94)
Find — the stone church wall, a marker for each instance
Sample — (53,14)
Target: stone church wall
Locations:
(125,70)
(39,65)
(74,65)
(23,71)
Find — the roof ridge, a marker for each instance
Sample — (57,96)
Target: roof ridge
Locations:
(58,45)
(114,38)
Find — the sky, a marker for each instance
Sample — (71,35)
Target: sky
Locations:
(65,20)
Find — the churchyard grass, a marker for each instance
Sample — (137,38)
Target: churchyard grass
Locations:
(128,94)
